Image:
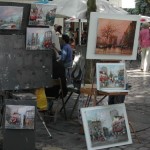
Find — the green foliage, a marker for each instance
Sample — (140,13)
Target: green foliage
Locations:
(141,7)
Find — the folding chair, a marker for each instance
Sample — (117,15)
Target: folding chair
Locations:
(76,77)
(57,82)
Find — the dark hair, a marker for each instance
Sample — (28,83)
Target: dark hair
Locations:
(65,37)
(58,29)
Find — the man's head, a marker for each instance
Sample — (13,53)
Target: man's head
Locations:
(65,38)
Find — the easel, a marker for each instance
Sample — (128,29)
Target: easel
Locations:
(91,90)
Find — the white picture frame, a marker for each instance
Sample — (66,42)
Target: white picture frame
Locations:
(111,77)
(119,50)
(106,126)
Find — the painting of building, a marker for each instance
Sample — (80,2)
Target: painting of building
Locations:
(19,117)
(115,36)
(38,39)
(110,76)
(42,15)
(106,126)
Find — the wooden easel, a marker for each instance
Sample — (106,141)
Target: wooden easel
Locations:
(91,90)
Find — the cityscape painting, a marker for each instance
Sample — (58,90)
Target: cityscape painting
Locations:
(110,76)
(42,15)
(11,17)
(106,126)
(38,39)
(113,36)
(19,117)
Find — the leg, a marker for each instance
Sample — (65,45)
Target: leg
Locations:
(143,57)
(146,61)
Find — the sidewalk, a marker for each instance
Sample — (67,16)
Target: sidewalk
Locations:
(66,134)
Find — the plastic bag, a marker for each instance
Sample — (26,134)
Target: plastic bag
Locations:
(41,99)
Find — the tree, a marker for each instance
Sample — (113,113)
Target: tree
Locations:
(141,7)
(90,64)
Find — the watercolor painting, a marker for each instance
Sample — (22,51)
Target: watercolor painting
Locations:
(19,117)
(11,17)
(113,36)
(106,126)
(42,15)
(39,39)
(110,76)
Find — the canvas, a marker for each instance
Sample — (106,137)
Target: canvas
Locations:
(39,39)
(111,77)
(19,117)
(106,126)
(42,15)
(11,17)
(113,36)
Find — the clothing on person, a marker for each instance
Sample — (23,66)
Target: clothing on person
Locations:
(144,44)
(66,52)
(58,72)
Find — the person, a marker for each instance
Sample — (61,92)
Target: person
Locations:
(144,44)
(84,36)
(66,53)
(76,36)
(58,71)
(59,30)
(70,33)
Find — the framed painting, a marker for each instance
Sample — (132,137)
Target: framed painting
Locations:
(113,36)
(106,126)
(42,15)
(19,117)
(111,77)
(11,17)
(39,39)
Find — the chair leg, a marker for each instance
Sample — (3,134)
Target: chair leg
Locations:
(74,106)
(66,101)
(64,108)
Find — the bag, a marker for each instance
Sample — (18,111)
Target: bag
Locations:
(41,99)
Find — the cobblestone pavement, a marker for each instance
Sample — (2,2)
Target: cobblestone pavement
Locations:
(66,134)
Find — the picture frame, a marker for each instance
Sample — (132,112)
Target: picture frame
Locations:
(106,126)
(19,117)
(113,36)
(38,38)
(42,14)
(111,77)
(11,17)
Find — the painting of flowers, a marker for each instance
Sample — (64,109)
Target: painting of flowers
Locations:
(11,17)
(110,76)
(106,126)
(38,39)
(42,15)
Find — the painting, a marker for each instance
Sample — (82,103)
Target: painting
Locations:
(110,76)
(11,17)
(106,126)
(38,39)
(19,117)
(42,15)
(113,37)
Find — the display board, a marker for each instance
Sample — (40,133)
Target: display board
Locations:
(20,68)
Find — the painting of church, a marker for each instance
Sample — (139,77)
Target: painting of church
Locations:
(38,39)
